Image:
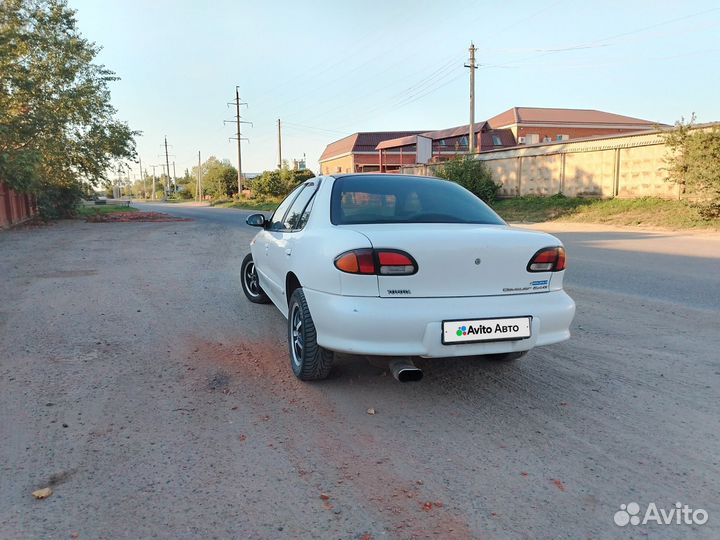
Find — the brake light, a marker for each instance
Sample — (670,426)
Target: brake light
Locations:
(359,261)
(395,263)
(387,262)
(551,259)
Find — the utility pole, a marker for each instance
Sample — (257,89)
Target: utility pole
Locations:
(142,178)
(237,117)
(199,189)
(167,162)
(279,146)
(238,135)
(473,67)
(174,178)
(154,189)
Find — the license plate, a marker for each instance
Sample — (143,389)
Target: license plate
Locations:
(474,330)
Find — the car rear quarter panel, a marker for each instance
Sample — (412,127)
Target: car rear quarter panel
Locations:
(317,246)
(313,258)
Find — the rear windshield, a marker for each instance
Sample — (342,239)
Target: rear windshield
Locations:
(405,199)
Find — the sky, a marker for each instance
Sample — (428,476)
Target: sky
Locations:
(331,68)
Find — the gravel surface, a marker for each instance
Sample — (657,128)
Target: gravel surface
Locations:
(138,383)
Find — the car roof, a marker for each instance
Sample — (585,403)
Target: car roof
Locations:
(385,175)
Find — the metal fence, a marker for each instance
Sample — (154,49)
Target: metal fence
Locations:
(625,166)
(15,207)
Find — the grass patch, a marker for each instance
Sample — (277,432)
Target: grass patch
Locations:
(647,211)
(262,205)
(534,209)
(101,209)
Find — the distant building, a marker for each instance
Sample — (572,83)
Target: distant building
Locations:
(357,153)
(532,125)
(445,144)
(299,164)
(388,151)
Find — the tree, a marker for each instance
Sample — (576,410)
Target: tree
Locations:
(694,163)
(280,182)
(219,178)
(57,126)
(471,174)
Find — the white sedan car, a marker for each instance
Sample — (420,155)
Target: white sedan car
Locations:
(403,266)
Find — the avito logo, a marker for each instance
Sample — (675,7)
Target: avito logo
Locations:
(629,514)
(482,329)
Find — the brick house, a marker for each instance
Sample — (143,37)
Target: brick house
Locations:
(447,143)
(387,151)
(357,153)
(532,125)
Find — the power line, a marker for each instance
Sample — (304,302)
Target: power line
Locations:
(381,31)
(602,42)
(426,85)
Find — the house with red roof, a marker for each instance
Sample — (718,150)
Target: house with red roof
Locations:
(387,151)
(532,125)
(358,153)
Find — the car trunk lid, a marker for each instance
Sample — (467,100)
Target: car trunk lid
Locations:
(460,259)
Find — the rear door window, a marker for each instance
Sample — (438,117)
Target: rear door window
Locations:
(306,214)
(277,219)
(294,216)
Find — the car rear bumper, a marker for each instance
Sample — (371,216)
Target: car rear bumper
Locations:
(413,326)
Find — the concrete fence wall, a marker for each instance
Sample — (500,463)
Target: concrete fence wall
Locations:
(626,166)
(15,207)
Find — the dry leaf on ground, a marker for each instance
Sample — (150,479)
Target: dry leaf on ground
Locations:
(43,493)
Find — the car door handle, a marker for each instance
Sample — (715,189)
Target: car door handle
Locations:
(288,252)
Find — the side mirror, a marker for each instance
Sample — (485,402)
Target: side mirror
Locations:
(256,220)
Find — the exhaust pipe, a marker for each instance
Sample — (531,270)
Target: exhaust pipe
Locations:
(404,370)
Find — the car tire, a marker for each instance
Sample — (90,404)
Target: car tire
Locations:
(308,360)
(505,357)
(250,283)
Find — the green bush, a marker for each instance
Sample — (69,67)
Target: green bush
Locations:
(471,174)
(57,202)
(278,183)
(694,164)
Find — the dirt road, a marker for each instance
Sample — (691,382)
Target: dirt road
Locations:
(157,402)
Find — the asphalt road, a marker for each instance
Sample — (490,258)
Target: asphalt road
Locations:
(678,268)
(137,381)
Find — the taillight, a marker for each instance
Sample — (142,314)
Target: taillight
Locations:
(395,263)
(551,259)
(358,261)
(386,262)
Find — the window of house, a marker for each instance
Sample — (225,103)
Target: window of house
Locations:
(532,138)
(563,137)
(496,140)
